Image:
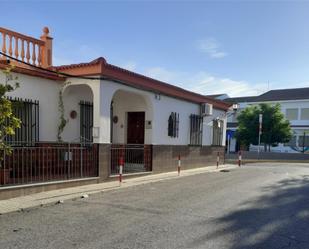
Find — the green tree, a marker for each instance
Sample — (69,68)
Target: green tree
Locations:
(275,128)
(8,122)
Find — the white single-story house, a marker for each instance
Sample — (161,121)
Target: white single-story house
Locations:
(108,110)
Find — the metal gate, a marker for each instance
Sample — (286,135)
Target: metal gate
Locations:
(86,121)
(136,157)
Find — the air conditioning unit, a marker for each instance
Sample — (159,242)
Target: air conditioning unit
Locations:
(206,109)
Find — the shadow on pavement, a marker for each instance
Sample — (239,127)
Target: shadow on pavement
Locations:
(277,219)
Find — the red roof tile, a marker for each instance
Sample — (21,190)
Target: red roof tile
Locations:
(100,67)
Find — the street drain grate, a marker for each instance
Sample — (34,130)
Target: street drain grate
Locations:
(224,170)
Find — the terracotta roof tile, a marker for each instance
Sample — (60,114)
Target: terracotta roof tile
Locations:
(139,80)
(31,71)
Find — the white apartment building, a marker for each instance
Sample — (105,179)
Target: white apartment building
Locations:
(294,105)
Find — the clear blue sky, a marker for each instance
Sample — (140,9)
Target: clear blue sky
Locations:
(208,47)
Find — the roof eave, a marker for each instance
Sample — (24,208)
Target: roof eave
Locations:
(99,67)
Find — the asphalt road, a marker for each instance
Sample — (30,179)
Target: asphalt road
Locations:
(256,206)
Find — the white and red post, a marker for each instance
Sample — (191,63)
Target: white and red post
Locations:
(179,164)
(121,163)
(218,159)
(239,158)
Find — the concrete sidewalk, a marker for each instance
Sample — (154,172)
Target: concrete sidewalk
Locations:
(56,196)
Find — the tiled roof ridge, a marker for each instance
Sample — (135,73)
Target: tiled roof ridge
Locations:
(162,83)
(165,85)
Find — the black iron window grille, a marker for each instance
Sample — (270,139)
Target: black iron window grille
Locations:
(27,111)
(217,132)
(86,121)
(196,129)
(173,125)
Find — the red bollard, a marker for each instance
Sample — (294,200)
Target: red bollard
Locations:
(179,164)
(121,163)
(239,158)
(218,159)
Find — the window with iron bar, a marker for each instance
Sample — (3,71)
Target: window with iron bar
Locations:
(86,121)
(173,125)
(27,111)
(217,132)
(196,129)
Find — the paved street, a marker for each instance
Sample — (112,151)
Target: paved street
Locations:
(256,206)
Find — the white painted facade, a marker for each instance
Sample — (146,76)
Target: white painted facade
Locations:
(72,95)
(47,93)
(125,99)
(157,110)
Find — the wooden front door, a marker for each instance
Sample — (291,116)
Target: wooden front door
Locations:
(136,128)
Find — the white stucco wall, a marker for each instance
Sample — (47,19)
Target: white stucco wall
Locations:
(208,126)
(81,89)
(157,110)
(126,99)
(162,110)
(72,96)
(124,102)
(46,92)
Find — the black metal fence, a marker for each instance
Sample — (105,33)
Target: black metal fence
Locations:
(86,120)
(137,158)
(48,162)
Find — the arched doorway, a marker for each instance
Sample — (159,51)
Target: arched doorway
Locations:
(78,112)
(131,131)
(131,118)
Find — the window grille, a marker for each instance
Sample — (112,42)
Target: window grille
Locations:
(196,129)
(173,125)
(217,132)
(28,112)
(86,121)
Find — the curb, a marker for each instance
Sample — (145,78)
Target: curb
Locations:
(54,197)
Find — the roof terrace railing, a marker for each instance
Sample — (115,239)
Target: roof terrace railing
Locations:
(37,52)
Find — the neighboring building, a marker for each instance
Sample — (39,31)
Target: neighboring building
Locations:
(294,105)
(218,96)
(144,122)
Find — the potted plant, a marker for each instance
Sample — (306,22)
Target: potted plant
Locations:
(8,122)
